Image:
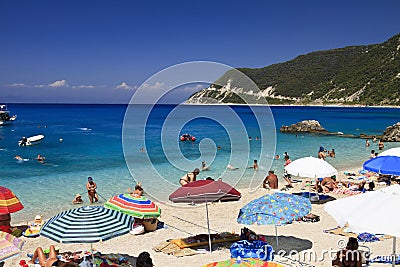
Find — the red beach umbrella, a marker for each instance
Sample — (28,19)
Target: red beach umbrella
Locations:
(9,203)
(204,190)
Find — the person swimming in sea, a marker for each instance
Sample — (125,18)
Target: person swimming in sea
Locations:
(204,167)
(231,167)
(77,199)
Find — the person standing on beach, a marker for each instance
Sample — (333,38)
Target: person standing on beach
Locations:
(91,187)
(287,176)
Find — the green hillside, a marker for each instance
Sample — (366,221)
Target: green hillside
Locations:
(367,75)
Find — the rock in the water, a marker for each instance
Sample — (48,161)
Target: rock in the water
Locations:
(392,133)
(308,126)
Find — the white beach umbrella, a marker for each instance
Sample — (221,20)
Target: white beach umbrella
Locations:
(391,152)
(358,212)
(310,167)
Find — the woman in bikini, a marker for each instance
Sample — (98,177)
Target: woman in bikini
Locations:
(52,260)
(189,177)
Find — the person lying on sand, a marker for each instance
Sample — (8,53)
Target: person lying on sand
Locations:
(52,260)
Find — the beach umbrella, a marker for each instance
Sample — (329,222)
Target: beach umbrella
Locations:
(87,224)
(9,203)
(274,209)
(383,165)
(391,152)
(198,191)
(204,191)
(243,263)
(138,207)
(10,246)
(310,167)
(359,212)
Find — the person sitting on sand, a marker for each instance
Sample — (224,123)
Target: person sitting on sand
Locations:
(328,184)
(271,181)
(189,177)
(77,199)
(138,192)
(52,260)
(350,256)
(91,187)
(144,260)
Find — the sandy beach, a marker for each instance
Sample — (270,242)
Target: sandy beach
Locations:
(180,221)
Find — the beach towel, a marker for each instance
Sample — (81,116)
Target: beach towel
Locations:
(367,237)
(344,231)
(345,191)
(255,249)
(385,259)
(173,249)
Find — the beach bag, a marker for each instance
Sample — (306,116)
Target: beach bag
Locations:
(252,249)
(310,218)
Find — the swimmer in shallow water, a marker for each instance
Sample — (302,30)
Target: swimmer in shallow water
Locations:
(204,167)
(231,167)
(18,158)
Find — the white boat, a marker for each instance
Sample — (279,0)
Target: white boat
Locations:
(30,141)
(5,118)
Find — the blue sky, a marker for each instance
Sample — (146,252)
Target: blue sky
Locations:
(81,51)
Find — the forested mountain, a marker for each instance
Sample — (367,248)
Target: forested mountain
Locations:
(366,75)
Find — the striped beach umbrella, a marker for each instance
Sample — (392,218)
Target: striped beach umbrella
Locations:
(10,246)
(9,203)
(87,224)
(138,207)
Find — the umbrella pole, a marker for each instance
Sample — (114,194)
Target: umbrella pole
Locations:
(276,236)
(208,225)
(91,249)
(394,252)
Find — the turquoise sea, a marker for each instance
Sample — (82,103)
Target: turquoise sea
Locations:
(97,142)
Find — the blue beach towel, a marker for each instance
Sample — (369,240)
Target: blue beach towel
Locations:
(367,237)
(385,259)
(252,249)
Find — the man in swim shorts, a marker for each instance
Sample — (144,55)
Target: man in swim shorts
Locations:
(91,188)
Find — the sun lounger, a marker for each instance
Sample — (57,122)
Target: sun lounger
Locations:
(201,240)
(344,231)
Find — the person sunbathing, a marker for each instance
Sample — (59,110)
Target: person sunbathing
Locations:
(52,260)
(350,256)
(328,184)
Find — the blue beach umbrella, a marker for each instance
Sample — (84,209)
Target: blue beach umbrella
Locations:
(274,209)
(383,165)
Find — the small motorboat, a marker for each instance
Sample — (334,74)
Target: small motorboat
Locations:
(30,141)
(5,118)
(187,137)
